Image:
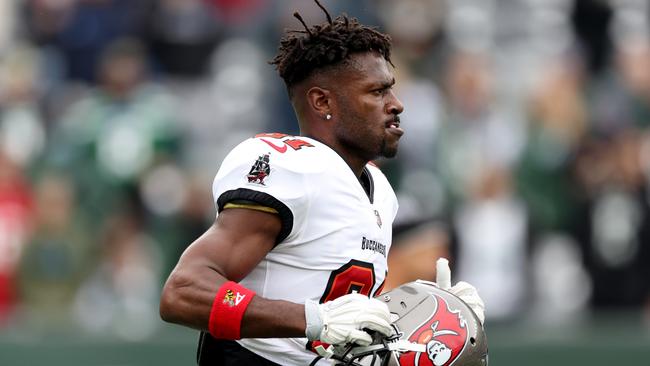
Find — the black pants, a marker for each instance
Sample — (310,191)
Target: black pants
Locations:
(217,352)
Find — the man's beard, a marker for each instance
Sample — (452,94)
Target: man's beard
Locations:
(386,151)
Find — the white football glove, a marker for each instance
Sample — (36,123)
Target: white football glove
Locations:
(341,321)
(463,290)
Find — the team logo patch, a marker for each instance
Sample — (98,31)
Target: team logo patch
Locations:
(444,334)
(260,170)
(229,298)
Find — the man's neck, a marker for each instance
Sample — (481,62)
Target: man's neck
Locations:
(355,164)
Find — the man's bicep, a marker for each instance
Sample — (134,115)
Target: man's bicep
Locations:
(237,241)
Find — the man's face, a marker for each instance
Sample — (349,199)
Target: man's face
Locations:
(367,123)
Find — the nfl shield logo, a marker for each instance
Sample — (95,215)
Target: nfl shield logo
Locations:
(378,218)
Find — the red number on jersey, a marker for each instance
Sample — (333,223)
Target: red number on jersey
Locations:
(272,135)
(297,144)
(354,276)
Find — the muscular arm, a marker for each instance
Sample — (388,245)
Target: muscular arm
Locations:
(237,241)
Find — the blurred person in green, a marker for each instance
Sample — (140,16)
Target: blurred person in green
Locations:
(116,134)
(558,119)
(119,143)
(557,123)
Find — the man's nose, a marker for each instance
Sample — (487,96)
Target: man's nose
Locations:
(395,106)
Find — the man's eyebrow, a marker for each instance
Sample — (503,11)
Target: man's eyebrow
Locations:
(388,83)
(385,83)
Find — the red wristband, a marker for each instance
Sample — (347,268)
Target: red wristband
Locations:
(228,309)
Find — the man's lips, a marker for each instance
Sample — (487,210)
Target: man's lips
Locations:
(393,127)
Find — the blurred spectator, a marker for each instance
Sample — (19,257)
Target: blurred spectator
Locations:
(476,131)
(591,20)
(120,296)
(417,244)
(416,29)
(22,126)
(183,34)
(492,232)
(615,229)
(7,21)
(82,29)
(557,125)
(238,13)
(22,138)
(57,256)
(612,175)
(16,212)
(413,169)
(45,20)
(116,134)
(184,223)
(561,286)
(621,97)
(234,98)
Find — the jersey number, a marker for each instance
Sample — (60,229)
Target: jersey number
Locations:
(354,276)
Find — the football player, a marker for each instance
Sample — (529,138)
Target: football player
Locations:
(298,248)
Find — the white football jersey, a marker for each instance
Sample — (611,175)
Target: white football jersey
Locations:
(334,239)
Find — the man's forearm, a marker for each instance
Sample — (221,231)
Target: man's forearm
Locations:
(188,300)
(266,318)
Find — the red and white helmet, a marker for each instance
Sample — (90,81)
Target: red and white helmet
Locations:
(432,328)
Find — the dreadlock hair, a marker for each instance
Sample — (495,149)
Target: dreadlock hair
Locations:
(302,52)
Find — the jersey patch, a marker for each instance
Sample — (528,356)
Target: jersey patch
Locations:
(260,170)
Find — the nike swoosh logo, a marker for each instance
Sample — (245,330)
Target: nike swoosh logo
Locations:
(280,149)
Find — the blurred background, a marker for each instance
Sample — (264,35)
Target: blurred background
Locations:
(526,160)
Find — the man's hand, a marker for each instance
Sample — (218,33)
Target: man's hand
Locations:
(463,290)
(342,321)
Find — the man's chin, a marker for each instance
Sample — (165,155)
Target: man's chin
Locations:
(389,152)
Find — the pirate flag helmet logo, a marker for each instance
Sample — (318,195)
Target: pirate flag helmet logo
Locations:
(444,333)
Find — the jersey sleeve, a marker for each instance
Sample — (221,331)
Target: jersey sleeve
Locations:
(254,172)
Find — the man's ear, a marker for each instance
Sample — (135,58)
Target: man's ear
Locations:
(319,100)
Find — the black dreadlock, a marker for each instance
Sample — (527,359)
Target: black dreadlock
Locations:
(301,52)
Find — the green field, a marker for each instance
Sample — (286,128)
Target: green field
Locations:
(605,340)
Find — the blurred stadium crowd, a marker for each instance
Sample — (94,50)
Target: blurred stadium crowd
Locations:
(527,146)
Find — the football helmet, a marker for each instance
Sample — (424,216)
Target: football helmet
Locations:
(432,327)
